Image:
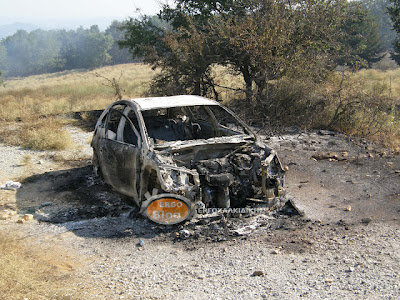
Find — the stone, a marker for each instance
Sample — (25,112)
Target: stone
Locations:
(4,216)
(331,156)
(258,273)
(275,252)
(184,234)
(366,220)
(11,185)
(27,217)
(329,280)
(350,270)
(326,132)
(382,153)
(348,208)
(20,221)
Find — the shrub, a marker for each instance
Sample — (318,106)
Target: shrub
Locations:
(46,135)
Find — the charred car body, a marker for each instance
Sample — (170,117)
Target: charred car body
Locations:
(172,155)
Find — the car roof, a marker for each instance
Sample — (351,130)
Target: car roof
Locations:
(172,101)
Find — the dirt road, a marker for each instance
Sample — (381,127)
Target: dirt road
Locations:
(346,246)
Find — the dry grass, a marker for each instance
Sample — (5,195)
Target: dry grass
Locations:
(386,81)
(228,83)
(38,102)
(365,104)
(31,273)
(44,134)
(48,136)
(60,93)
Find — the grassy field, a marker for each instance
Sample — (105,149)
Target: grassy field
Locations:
(34,109)
(388,81)
(60,93)
(373,101)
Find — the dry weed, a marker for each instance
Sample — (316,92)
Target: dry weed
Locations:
(48,137)
(364,106)
(31,100)
(44,134)
(28,99)
(30,273)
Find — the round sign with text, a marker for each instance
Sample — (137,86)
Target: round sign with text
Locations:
(168,209)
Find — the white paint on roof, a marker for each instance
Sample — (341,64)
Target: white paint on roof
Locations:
(172,101)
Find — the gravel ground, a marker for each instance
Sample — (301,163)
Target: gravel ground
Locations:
(346,246)
(17,162)
(317,262)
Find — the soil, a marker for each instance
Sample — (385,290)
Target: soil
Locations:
(345,245)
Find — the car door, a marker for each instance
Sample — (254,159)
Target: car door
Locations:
(120,151)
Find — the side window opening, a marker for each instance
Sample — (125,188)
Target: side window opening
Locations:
(122,125)
(127,127)
(131,135)
(102,125)
(113,120)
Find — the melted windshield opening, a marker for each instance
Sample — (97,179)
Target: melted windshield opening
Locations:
(191,123)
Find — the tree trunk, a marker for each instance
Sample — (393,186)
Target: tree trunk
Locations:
(249,82)
(197,88)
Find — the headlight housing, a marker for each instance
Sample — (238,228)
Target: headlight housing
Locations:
(174,178)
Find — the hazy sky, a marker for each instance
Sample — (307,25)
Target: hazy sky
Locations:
(44,10)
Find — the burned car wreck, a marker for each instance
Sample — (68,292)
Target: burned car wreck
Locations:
(174,155)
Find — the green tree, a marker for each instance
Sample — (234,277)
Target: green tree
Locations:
(378,9)
(85,48)
(45,48)
(264,40)
(3,57)
(1,80)
(18,53)
(31,53)
(42,51)
(394,11)
(145,38)
(118,55)
(362,38)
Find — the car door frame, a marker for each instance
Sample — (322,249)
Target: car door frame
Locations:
(119,161)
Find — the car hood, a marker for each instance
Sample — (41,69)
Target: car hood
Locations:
(189,154)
